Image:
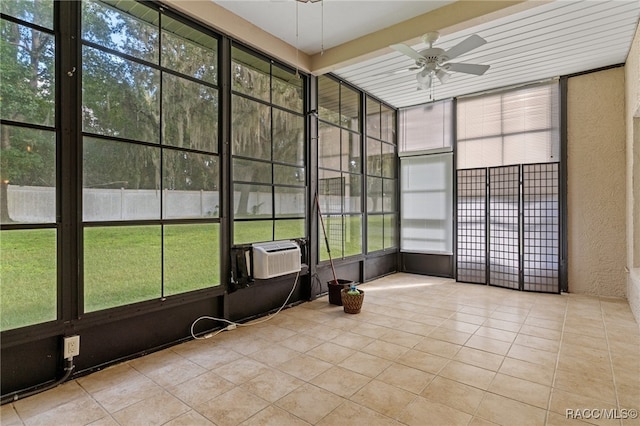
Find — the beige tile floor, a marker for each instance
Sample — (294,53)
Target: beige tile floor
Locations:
(423,351)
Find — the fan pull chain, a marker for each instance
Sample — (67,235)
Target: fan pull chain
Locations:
(297,73)
(322,28)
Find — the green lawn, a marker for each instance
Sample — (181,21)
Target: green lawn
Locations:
(27,277)
(123,265)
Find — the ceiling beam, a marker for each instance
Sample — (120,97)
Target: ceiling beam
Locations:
(447,19)
(213,15)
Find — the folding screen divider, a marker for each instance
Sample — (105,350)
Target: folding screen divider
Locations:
(508,232)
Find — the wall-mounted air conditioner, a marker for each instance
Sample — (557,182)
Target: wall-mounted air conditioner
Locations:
(275,258)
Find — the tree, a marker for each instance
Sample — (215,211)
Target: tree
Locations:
(27,157)
(260,131)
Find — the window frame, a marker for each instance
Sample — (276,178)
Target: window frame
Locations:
(55,129)
(303,169)
(344,216)
(163,147)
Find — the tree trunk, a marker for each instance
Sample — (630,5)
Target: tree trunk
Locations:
(4,205)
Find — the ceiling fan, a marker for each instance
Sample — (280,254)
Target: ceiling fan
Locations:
(434,62)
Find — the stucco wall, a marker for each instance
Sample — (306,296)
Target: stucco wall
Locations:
(596,183)
(632,93)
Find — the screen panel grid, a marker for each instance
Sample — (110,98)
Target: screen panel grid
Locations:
(471,207)
(504,235)
(541,227)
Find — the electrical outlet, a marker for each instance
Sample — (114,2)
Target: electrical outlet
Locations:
(71,346)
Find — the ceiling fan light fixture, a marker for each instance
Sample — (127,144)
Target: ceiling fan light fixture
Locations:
(442,75)
(433,62)
(424,79)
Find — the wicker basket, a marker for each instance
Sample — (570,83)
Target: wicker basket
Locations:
(352,303)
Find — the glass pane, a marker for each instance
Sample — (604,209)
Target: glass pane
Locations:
(290,202)
(349,108)
(250,128)
(27,58)
(190,183)
(245,232)
(27,175)
(191,257)
(426,203)
(119,97)
(374,157)
(389,195)
(39,12)
(388,160)
(251,171)
(390,239)
(122,265)
(375,233)
(333,230)
(374,194)
(285,175)
(121,181)
(388,126)
(288,137)
(329,156)
(373,118)
(287,90)
(250,75)
(425,127)
(29,277)
(330,191)
(328,100)
(252,201)
(351,152)
(352,235)
(352,191)
(189,51)
(189,113)
(129,27)
(289,229)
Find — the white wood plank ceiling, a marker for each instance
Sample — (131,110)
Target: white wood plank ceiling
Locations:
(554,39)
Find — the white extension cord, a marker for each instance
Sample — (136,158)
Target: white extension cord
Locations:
(233,325)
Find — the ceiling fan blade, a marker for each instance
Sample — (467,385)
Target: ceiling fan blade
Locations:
(406,50)
(402,70)
(465,46)
(474,69)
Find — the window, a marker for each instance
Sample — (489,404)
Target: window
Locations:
(28,165)
(150,163)
(381,179)
(426,127)
(426,167)
(427,203)
(515,127)
(340,168)
(268,150)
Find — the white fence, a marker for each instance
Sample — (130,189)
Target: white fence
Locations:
(36,204)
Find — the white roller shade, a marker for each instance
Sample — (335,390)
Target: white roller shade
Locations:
(426,222)
(519,126)
(426,127)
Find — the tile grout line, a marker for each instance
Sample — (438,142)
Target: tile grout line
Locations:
(555,369)
(613,375)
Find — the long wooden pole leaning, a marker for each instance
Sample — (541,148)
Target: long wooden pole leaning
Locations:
(326,240)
